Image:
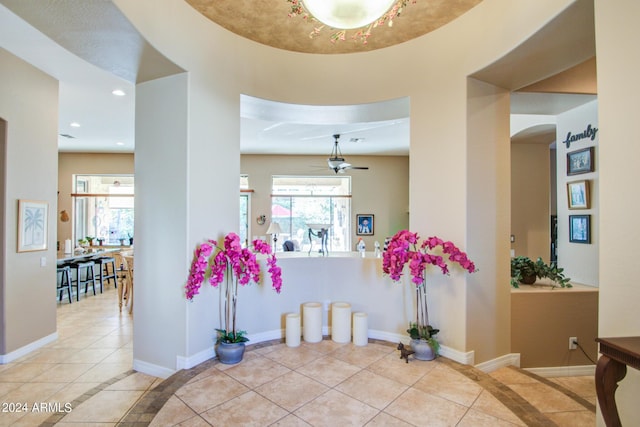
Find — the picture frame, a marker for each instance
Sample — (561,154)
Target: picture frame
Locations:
(580,228)
(578,195)
(33,225)
(364,225)
(581,161)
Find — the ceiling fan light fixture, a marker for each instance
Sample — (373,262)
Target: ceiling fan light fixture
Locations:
(347,14)
(335,162)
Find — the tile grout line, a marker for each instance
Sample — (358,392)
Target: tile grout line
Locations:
(559,387)
(524,410)
(55,418)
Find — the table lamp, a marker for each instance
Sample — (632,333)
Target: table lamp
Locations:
(274,230)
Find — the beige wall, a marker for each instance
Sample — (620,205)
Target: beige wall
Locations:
(488,184)
(383,190)
(446,198)
(530,172)
(29,105)
(542,320)
(70,164)
(618,111)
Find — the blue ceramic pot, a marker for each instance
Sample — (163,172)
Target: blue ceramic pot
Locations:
(423,350)
(230,353)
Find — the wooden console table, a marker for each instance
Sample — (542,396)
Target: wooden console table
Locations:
(617,354)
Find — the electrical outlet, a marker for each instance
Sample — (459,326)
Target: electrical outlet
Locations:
(573,343)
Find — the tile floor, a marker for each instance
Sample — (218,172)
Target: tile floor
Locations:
(88,369)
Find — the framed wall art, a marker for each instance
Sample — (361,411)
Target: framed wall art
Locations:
(32,225)
(580,228)
(578,194)
(364,222)
(581,161)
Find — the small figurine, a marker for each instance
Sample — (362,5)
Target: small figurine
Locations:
(376,245)
(404,352)
(361,247)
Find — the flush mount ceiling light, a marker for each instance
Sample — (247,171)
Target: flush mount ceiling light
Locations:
(118,92)
(342,15)
(347,14)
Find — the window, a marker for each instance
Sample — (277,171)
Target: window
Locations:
(299,203)
(103,208)
(245,208)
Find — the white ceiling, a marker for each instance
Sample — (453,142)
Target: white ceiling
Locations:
(107,121)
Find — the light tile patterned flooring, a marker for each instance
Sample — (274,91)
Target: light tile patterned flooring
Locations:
(89,368)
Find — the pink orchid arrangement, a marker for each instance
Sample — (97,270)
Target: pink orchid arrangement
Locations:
(405,248)
(239,266)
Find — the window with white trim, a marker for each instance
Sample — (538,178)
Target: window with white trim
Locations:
(103,208)
(299,203)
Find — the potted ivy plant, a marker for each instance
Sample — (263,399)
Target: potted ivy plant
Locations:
(524,270)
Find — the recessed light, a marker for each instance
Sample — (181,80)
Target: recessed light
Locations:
(74,124)
(118,92)
(119,143)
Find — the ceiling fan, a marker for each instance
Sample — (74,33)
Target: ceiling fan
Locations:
(336,161)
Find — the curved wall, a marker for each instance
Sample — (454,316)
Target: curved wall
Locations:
(447,178)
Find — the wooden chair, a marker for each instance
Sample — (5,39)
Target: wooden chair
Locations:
(122,274)
(128,259)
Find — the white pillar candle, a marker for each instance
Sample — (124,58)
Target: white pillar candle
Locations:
(341,322)
(67,246)
(360,329)
(312,322)
(292,334)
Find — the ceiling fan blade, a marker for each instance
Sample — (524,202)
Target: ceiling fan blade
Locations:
(358,167)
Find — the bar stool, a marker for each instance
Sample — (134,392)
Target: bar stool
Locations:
(103,264)
(88,266)
(64,281)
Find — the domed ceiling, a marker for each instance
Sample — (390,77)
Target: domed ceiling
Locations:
(267,22)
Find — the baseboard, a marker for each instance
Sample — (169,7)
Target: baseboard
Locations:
(22,351)
(512,359)
(564,371)
(266,336)
(151,369)
(189,362)
(183,362)
(466,358)
(388,336)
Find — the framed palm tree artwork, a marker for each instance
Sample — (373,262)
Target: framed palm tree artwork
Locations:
(32,225)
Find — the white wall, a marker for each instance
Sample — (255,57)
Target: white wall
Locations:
(29,105)
(579,260)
